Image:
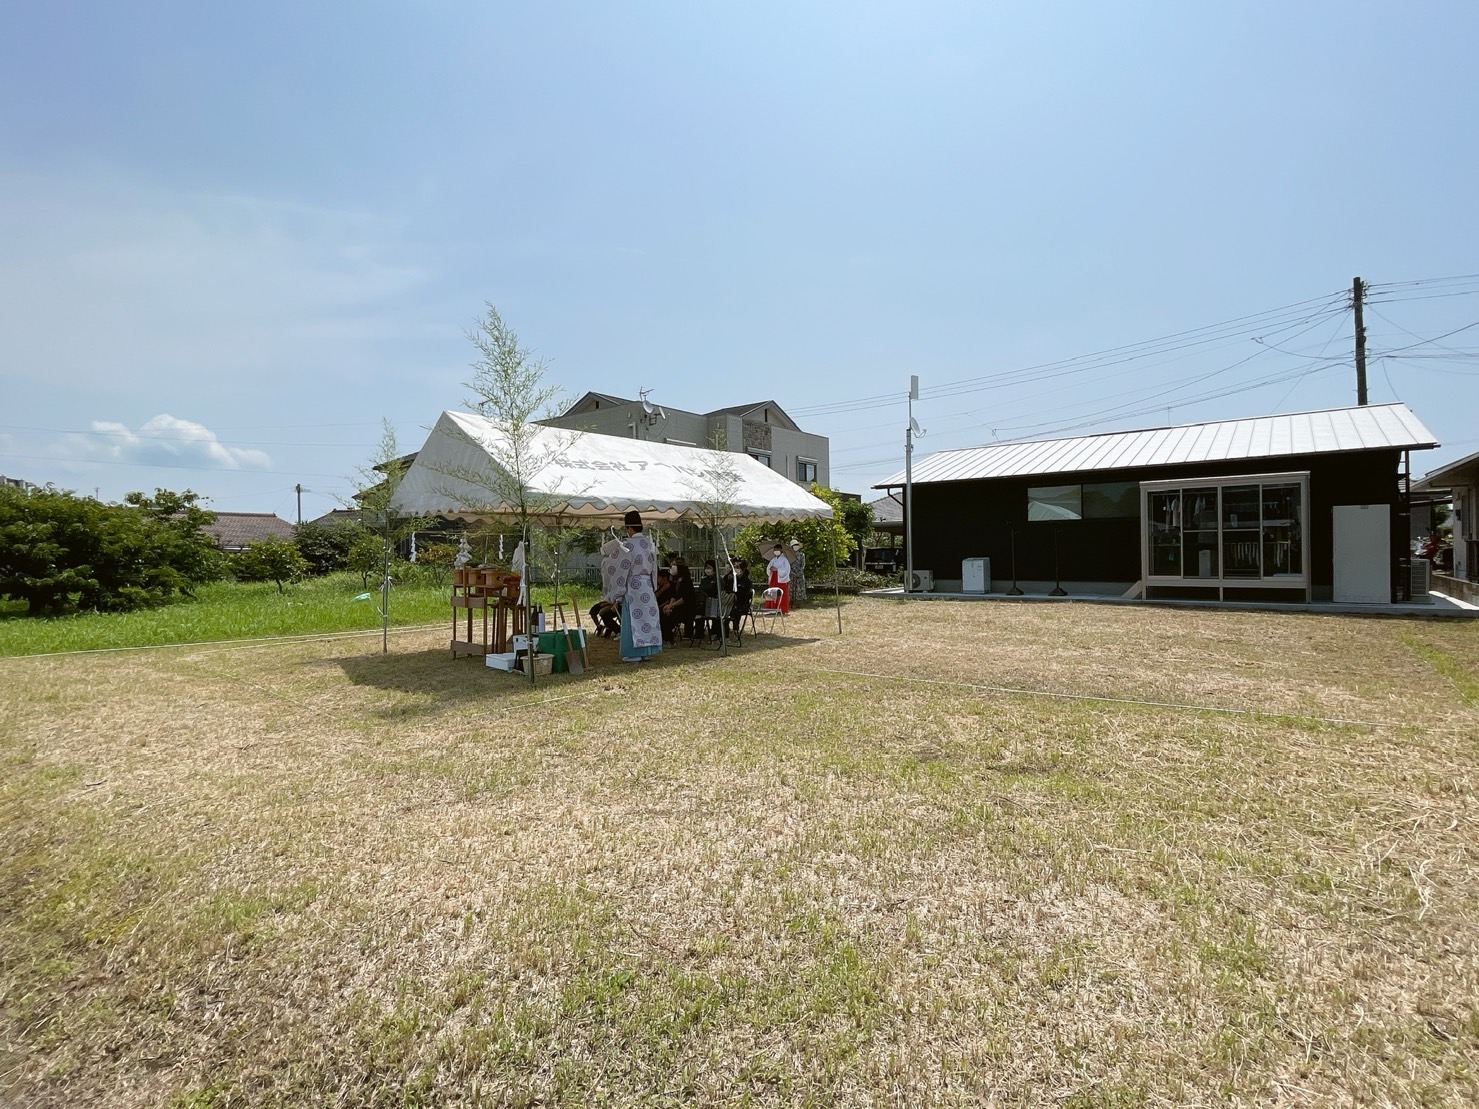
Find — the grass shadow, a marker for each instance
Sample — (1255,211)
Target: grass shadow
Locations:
(434,676)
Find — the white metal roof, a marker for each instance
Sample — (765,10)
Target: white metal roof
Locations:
(581,476)
(1335,430)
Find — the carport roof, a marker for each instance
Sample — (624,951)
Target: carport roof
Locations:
(1464,471)
(1335,430)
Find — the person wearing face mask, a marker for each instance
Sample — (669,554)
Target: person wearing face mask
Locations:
(797,588)
(671,609)
(708,590)
(778,571)
(737,581)
(687,604)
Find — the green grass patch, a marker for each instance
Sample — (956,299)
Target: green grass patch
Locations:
(1461,672)
(236,610)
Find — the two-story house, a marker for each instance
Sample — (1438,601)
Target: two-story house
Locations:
(762,430)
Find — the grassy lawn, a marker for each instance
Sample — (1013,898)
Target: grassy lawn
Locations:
(822,871)
(232,610)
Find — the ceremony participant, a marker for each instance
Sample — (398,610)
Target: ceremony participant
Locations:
(672,605)
(605,619)
(778,571)
(634,589)
(708,590)
(798,573)
(737,581)
(690,601)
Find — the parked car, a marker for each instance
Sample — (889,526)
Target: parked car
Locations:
(883,560)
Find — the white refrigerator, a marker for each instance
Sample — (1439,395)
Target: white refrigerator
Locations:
(975,575)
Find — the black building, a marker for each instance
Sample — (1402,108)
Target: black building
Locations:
(1298,507)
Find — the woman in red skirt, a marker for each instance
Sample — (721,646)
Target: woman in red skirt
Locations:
(779,570)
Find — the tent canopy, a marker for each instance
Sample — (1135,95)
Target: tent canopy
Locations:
(584,477)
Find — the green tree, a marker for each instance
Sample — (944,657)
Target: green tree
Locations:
(434,559)
(177,536)
(821,539)
(857,521)
(59,551)
(325,547)
(271,559)
(508,388)
(366,556)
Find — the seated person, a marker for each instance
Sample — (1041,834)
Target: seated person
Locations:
(606,619)
(708,591)
(737,581)
(671,610)
(689,610)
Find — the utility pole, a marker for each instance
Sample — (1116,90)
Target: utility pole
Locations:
(1358,300)
(909,487)
(299,490)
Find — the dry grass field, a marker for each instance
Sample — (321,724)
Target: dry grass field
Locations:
(965,854)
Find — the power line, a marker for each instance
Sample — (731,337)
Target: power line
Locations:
(1140,396)
(1425,281)
(1237,328)
(1283,318)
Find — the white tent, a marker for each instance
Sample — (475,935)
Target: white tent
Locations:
(585,477)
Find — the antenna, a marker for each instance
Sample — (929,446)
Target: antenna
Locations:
(914,426)
(646,404)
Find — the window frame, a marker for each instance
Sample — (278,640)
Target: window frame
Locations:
(1220,579)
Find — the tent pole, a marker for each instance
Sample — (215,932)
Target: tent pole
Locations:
(529,598)
(719,589)
(836,579)
(385,598)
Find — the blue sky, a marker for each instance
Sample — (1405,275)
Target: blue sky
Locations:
(233,239)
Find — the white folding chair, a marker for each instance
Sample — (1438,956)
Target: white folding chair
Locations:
(768,611)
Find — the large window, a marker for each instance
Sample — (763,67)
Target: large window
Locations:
(1246,529)
(1107,500)
(1055,502)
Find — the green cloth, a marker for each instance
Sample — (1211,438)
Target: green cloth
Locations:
(553,643)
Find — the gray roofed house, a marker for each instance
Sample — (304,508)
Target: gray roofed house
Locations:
(1298,507)
(1372,427)
(1460,478)
(235,531)
(762,430)
(888,515)
(336,517)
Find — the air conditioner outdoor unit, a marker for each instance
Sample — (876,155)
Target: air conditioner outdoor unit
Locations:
(1421,579)
(921,581)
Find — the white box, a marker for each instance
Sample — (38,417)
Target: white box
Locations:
(520,643)
(500,662)
(975,575)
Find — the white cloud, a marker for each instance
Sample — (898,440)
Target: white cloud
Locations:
(164,440)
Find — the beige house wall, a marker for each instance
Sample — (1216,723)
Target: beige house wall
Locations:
(784,450)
